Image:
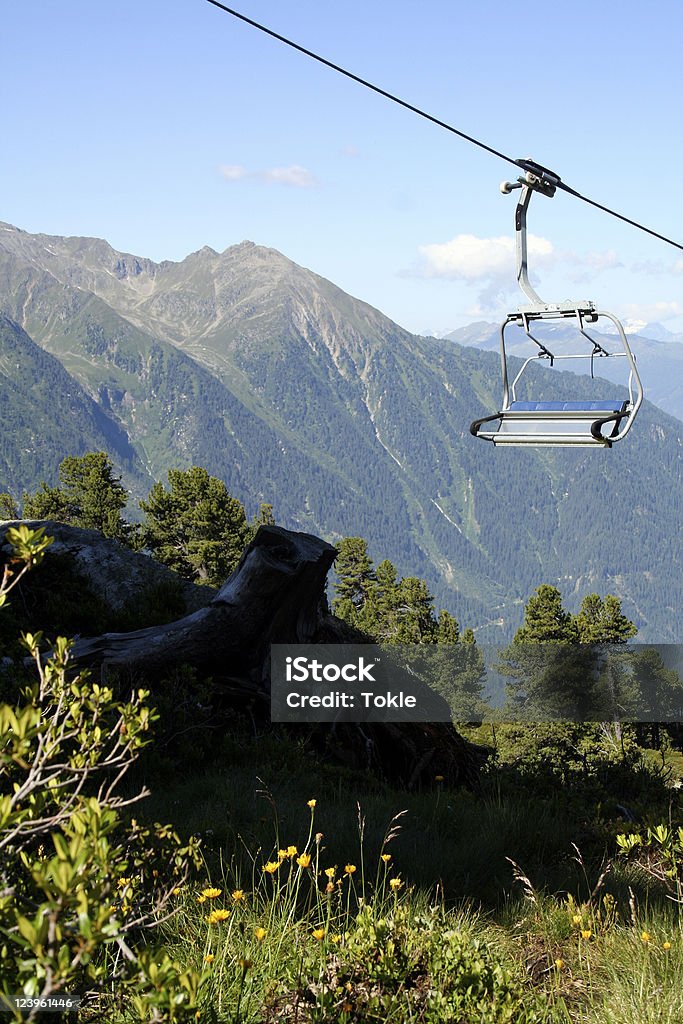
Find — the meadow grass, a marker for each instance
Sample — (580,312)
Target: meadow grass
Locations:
(330,897)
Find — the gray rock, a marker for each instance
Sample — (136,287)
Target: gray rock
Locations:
(114,572)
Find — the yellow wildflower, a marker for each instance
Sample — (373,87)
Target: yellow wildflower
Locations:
(201,899)
(396,884)
(645,936)
(312,803)
(271,867)
(330,872)
(292,851)
(559,963)
(237,895)
(281,854)
(260,933)
(218,915)
(336,939)
(210,893)
(304,860)
(666,945)
(319,934)
(209,958)
(349,869)
(586,933)
(576,919)
(386,857)
(123,881)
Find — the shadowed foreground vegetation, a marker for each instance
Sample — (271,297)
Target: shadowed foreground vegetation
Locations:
(288,889)
(500,905)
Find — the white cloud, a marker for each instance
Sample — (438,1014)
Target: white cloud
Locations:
(234,172)
(653,312)
(469,258)
(294,176)
(653,267)
(605,260)
(591,264)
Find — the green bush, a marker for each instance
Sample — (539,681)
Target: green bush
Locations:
(82,886)
(399,963)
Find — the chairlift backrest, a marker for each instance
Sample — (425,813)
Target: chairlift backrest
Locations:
(566,423)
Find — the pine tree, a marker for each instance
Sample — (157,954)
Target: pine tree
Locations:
(570,675)
(48,503)
(355,585)
(545,619)
(447,630)
(460,670)
(415,613)
(544,662)
(384,599)
(264,517)
(8,506)
(195,527)
(601,621)
(89,495)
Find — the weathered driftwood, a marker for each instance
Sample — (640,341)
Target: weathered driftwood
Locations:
(277,595)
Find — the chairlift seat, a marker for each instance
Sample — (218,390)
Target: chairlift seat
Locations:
(554,423)
(574,423)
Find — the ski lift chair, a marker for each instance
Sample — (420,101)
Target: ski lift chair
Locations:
(568,423)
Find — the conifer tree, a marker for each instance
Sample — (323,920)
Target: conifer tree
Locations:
(89,495)
(383,601)
(355,586)
(415,605)
(8,506)
(447,630)
(195,527)
(569,676)
(601,621)
(48,503)
(545,619)
(264,517)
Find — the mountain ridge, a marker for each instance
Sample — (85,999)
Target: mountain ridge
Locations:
(296,393)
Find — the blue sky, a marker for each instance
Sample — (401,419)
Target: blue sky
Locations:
(166,126)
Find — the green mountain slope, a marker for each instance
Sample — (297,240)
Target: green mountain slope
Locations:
(296,393)
(46,413)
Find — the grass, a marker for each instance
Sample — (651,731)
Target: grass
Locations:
(506,907)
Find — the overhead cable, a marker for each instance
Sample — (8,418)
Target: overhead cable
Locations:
(523,163)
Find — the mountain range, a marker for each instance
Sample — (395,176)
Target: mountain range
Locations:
(295,393)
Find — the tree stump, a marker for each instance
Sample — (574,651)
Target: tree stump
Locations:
(276,594)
